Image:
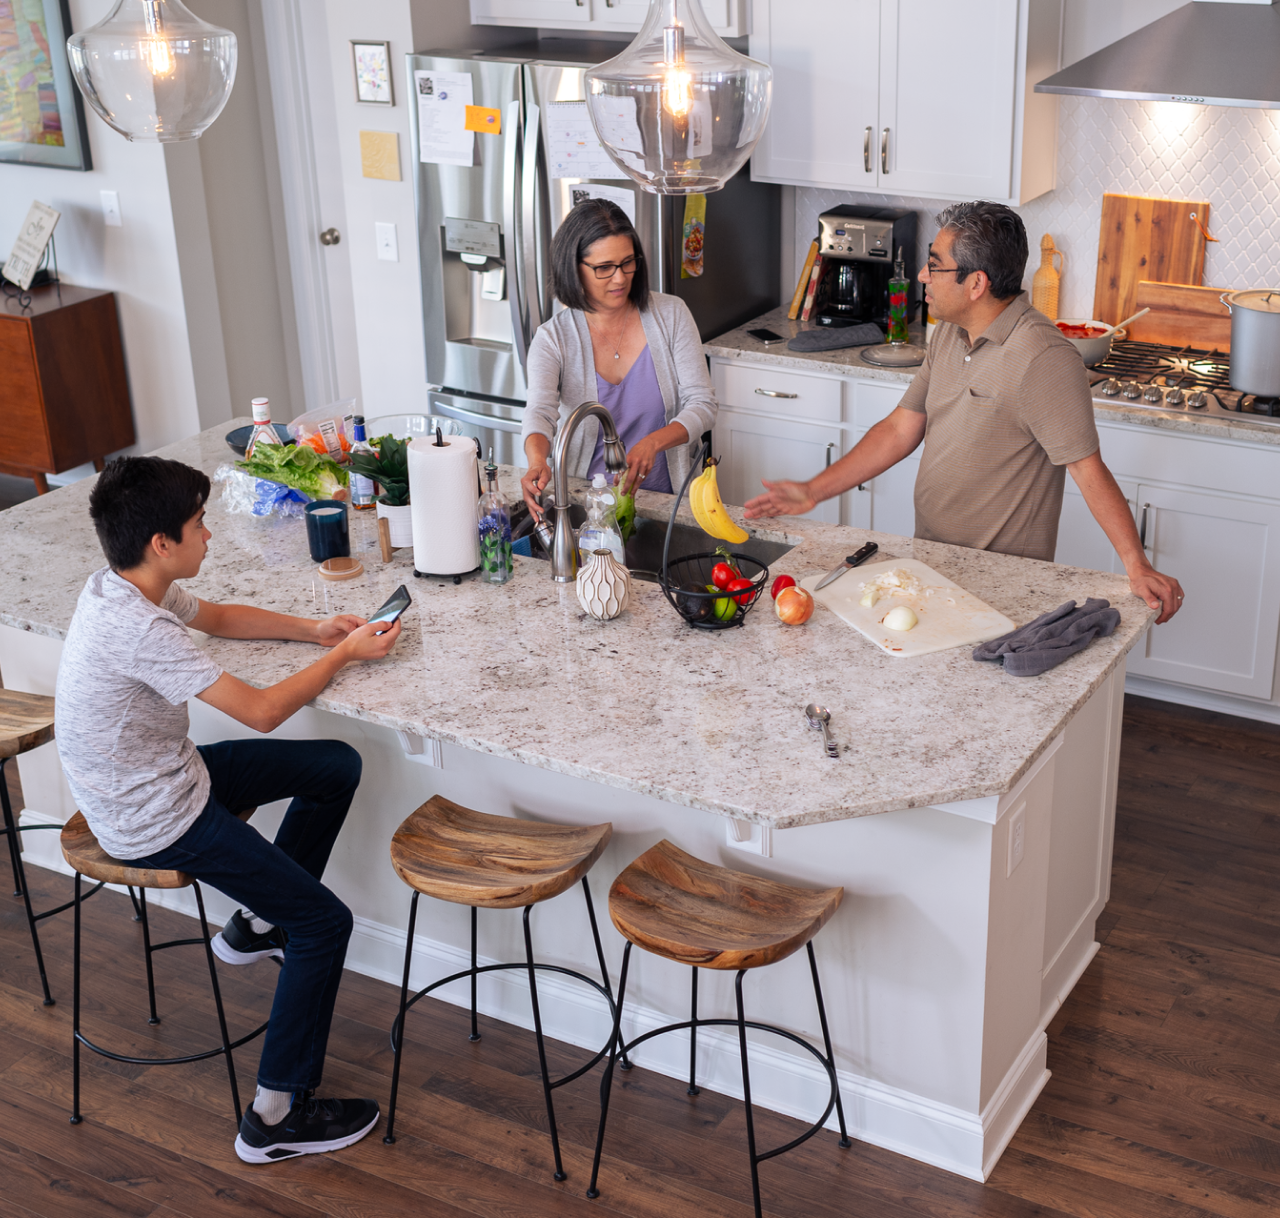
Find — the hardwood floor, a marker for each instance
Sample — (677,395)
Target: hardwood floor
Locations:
(1165,1096)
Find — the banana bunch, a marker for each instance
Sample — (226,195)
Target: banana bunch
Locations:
(709,510)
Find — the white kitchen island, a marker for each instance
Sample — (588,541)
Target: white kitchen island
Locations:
(969,816)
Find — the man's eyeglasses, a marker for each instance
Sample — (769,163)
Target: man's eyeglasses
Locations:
(944,270)
(607,270)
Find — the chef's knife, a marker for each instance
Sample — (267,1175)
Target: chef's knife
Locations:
(849,563)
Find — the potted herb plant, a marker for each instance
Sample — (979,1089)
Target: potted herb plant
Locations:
(388,466)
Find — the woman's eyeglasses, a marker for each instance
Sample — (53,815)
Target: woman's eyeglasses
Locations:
(607,270)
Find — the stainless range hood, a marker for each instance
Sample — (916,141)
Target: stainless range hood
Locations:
(1210,53)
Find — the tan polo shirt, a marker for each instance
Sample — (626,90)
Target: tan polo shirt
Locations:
(1005,414)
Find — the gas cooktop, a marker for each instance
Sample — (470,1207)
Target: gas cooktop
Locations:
(1181,380)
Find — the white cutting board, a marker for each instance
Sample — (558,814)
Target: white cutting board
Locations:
(949,616)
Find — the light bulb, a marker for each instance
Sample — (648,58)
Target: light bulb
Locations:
(679,111)
(152,70)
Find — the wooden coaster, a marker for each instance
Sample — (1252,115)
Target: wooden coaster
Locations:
(341,568)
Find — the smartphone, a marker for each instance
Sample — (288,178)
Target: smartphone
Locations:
(767,336)
(397,603)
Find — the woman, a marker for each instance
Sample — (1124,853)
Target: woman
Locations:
(637,352)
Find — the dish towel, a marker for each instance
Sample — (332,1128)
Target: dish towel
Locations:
(1051,638)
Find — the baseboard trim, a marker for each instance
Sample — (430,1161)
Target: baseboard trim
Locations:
(1201,699)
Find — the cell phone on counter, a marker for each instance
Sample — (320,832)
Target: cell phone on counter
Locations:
(396,604)
(767,336)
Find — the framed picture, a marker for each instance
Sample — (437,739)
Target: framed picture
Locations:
(41,111)
(372,62)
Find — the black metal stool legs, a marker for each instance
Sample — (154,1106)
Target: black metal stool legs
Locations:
(140,904)
(604,970)
(76,1118)
(217,1001)
(20,879)
(542,1050)
(397,1031)
(606,1082)
(826,1044)
(693,1089)
(475,1027)
(746,1091)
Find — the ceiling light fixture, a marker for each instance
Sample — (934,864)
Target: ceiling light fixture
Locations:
(152,70)
(679,111)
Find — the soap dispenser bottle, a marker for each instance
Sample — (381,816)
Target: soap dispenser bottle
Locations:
(495,531)
(601,531)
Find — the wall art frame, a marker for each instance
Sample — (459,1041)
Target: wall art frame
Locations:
(371,62)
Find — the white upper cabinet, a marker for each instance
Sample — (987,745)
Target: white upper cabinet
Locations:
(915,97)
(729,18)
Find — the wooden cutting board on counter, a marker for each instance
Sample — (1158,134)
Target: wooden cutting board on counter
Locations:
(1182,316)
(949,616)
(1157,240)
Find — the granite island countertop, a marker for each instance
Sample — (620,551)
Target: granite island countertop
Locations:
(706,720)
(739,345)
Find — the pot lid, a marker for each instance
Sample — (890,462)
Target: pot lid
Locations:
(1261,300)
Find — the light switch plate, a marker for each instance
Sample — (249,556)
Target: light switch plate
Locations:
(388,246)
(111,208)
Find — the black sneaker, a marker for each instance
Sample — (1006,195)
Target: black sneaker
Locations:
(312,1127)
(236,943)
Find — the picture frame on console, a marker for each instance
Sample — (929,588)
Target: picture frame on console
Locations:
(41,121)
(371,62)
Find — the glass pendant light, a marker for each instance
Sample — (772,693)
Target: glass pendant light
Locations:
(679,111)
(153,70)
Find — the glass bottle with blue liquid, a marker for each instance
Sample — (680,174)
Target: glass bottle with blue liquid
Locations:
(496,566)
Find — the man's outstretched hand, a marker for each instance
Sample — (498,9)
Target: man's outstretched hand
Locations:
(780,499)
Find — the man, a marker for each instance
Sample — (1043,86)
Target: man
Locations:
(1004,403)
(153,798)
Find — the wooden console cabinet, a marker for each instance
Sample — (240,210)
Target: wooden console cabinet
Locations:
(64,397)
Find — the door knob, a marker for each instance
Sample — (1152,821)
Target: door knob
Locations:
(330,236)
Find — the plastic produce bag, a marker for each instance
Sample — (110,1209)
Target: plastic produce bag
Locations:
(246,495)
(325,427)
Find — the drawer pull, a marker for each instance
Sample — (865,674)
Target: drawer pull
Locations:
(1142,528)
(775,393)
(830,445)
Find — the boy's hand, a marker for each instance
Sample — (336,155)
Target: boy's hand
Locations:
(365,643)
(333,630)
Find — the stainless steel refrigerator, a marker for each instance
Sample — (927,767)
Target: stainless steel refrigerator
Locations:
(485,223)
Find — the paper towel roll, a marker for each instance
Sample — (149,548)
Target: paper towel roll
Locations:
(443,498)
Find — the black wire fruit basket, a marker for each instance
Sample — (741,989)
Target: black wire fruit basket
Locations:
(686,582)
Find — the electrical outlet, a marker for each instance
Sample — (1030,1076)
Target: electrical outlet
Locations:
(1017,837)
(110,208)
(388,246)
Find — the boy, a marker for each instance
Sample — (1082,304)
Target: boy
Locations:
(152,797)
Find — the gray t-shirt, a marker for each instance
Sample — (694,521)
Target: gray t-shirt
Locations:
(127,670)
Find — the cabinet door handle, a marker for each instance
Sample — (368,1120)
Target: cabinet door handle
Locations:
(830,445)
(862,486)
(330,236)
(775,393)
(884,151)
(866,150)
(1142,528)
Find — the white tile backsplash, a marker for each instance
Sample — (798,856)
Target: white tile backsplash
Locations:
(1229,156)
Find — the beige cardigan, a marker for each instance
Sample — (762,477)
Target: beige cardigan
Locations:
(562,376)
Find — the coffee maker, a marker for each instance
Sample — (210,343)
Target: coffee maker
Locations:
(858,245)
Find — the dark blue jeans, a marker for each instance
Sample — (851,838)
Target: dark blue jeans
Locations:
(280,882)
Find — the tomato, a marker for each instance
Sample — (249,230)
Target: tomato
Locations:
(745,589)
(721,574)
(783,581)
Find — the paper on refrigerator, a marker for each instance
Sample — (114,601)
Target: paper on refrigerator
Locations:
(443,98)
(619,125)
(573,148)
(621,195)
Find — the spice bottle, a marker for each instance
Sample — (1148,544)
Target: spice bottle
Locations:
(1047,281)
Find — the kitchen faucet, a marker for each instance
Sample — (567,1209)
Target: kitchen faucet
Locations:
(564,546)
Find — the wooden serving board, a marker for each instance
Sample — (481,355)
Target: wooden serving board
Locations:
(1182,316)
(949,616)
(1140,238)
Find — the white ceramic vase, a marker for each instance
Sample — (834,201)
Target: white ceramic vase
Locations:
(401,521)
(604,586)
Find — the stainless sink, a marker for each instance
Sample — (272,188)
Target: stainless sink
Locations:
(644,549)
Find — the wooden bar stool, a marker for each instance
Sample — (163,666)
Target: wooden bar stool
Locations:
(671,904)
(87,858)
(26,722)
(495,862)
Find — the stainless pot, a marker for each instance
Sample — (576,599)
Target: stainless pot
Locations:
(1255,341)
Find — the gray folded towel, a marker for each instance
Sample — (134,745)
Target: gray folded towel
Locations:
(832,339)
(1051,638)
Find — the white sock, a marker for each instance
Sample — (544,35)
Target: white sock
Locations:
(272,1106)
(256,924)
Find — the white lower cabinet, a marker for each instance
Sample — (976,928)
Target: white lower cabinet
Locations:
(1225,552)
(885,504)
(753,447)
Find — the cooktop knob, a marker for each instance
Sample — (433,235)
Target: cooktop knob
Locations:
(1152,393)
(1111,388)
(1130,390)
(1197,400)
(1175,397)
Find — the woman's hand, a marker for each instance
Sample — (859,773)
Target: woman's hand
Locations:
(644,453)
(535,479)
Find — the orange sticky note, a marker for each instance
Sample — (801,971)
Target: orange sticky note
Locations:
(484,120)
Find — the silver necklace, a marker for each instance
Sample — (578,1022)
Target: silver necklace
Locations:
(617,346)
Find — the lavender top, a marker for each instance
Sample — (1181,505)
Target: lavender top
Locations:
(638,410)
